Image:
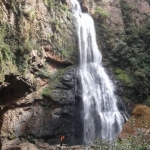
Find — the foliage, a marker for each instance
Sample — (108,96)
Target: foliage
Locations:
(132,143)
(64,7)
(49,3)
(27,46)
(124,77)
(129,50)
(46,91)
(53,4)
(30,15)
(101,13)
(133,54)
(4,48)
(55,25)
(4,51)
(53,80)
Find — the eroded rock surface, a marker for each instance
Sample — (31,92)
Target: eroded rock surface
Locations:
(41,117)
(37,77)
(37,83)
(39,145)
(138,125)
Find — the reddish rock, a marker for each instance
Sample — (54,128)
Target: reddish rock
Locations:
(139,123)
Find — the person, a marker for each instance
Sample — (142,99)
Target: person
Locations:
(62,139)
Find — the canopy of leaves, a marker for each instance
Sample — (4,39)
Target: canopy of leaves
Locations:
(130,53)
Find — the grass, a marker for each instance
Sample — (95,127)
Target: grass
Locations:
(131,143)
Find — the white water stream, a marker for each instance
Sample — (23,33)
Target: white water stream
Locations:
(102,118)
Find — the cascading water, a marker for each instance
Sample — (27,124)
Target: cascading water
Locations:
(102,118)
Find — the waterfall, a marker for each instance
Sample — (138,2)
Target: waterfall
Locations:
(102,118)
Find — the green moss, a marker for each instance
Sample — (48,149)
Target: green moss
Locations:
(64,7)
(28,46)
(46,91)
(5,52)
(11,137)
(49,3)
(7,63)
(55,25)
(54,79)
(30,15)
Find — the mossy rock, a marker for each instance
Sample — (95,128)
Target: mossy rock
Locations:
(12,136)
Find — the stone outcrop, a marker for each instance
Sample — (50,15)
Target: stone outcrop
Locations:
(37,76)
(39,145)
(138,125)
(16,144)
(38,62)
(31,116)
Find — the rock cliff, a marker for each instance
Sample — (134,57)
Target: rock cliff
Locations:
(138,125)
(39,59)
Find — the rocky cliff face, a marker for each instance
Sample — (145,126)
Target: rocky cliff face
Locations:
(38,54)
(39,57)
(138,125)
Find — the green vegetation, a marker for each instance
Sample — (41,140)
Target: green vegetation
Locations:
(132,54)
(7,63)
(55,26)
(28,46)
(54,4)
(132,143)
(53,80)
(12,136)
(64,7)
(46,91)
(5,53)
(101,13)
(128,51)
(124,77)
(30,15)
(49,3)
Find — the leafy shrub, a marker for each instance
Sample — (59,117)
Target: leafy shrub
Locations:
(49,3)
(132,143)
(4,52)
(64,7)
(46,91)
(128,50)
(28,46)
(124,77)
(101,13)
